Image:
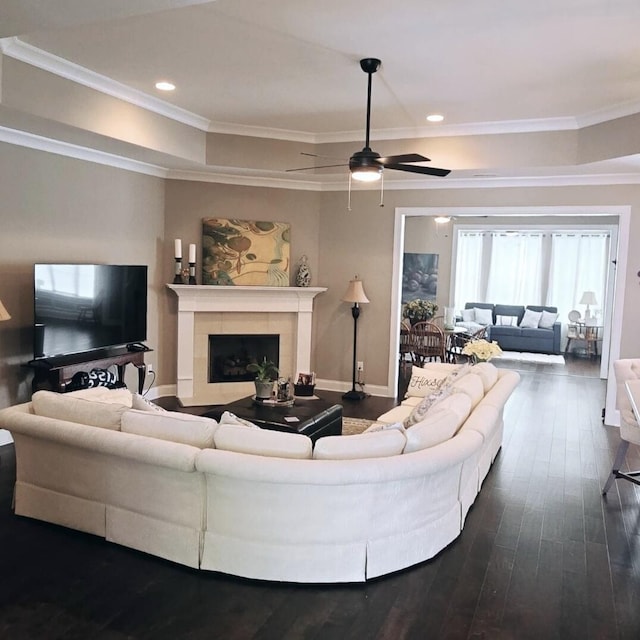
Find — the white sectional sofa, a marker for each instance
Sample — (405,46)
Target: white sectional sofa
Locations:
(256,503)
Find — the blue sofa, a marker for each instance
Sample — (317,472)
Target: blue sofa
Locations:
(516,338)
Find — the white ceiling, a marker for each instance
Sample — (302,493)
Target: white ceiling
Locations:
(292,65)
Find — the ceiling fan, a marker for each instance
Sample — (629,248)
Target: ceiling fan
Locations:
(367,165)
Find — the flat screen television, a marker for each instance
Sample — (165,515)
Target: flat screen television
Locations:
(85,307)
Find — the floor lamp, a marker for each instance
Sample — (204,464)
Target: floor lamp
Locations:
(355,293)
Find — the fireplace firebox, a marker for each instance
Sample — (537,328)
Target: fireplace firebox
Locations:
(229,355)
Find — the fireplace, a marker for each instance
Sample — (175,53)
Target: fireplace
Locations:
(206,310)
(229,355)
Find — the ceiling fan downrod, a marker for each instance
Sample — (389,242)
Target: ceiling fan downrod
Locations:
(369,66)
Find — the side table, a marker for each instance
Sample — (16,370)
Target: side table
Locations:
(588,333)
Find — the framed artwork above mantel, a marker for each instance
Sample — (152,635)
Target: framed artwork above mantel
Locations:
(245,252)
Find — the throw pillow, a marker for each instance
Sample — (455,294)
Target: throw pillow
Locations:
(531,319)
(231,418)
(507,321)
(172,426)
(468,315)
(425,381)
(140,403)
(483,316)
(547,320)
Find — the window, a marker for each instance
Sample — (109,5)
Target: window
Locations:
(531,267)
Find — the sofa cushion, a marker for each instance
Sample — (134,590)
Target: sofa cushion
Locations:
(488,374)
(95,413)
(507,321)
(378,444)
(531,319)
(173,426)
(468,315)
(262,442)
(425,381)
(120,395)
(440,424)
(470,385)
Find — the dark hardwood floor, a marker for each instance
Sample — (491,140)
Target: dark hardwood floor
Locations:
(542,555)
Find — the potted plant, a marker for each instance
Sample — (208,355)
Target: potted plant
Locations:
(266,372)
(419,310)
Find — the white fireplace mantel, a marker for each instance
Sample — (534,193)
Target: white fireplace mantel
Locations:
(197,299)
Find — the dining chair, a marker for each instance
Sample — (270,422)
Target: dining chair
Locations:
(624,370)
(428,343)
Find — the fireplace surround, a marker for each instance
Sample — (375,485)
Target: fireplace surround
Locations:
(205,310)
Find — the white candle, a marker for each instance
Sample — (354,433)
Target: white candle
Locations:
(192,253)
(178,248)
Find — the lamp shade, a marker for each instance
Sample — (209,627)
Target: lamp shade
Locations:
(355,292)
(4,314)
(588,297)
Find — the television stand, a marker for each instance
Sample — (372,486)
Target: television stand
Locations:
(54,374)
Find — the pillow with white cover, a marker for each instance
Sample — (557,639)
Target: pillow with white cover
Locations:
(483,316)
(379,444)
(66,406)
(425,381)
(262,442)
(173,426)
(468,315)
(507,321)
(531,319)
(140,403)
(231,418)
(547,320)
(440,424)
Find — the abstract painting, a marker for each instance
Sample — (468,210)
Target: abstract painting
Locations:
(245,252)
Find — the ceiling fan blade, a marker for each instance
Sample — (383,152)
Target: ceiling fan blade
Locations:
(324,166)
(429,171)
(316,155)
(407,157)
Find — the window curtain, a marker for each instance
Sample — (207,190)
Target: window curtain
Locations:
(532,268)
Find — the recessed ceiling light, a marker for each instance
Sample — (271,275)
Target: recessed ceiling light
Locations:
(435,117)
(165,86)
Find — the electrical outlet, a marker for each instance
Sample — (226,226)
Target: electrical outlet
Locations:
(149,368)
(360,365)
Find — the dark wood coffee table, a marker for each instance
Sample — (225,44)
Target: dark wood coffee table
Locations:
(311,417)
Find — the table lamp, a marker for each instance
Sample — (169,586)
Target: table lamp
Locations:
(588,297)
(355,293)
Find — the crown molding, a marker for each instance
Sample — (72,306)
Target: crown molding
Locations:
(49,145)
(15,48)
(19,50)
(247,179)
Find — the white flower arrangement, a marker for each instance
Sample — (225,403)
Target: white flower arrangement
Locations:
(481,350)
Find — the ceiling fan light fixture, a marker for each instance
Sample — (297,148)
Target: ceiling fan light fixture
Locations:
(367,174)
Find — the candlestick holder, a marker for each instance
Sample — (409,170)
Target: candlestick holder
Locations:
(178,273)
(192,273)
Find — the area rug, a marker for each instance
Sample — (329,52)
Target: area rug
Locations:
(353,426)
(535,358)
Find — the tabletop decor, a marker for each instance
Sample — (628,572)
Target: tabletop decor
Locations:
(419,310)
(481,350)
